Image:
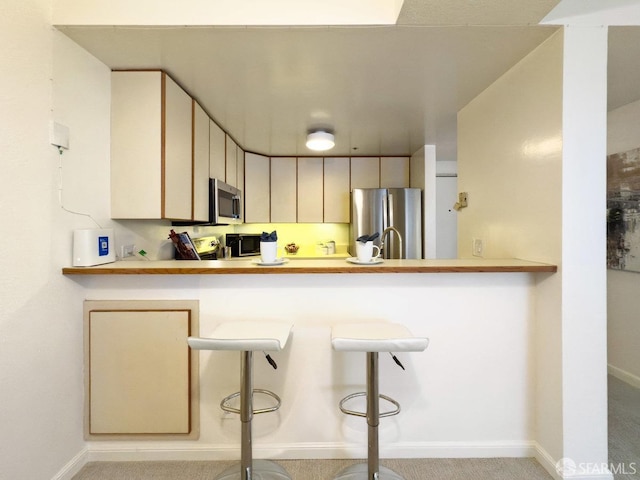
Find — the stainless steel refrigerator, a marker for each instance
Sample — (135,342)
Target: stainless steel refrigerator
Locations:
(395,213)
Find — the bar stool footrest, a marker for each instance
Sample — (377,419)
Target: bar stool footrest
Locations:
(224,404)
(389,413)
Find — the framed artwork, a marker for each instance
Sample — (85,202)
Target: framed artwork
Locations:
(623,211)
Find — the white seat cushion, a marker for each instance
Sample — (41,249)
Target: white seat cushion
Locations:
(375,337)
(245,336)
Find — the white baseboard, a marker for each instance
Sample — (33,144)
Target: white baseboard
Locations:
(550,465)
(180,451)
(73,466)
(623,375)
(148,451)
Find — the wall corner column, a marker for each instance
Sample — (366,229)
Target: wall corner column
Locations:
(583,270)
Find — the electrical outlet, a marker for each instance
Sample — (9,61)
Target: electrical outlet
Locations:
(127,251)
(477,247)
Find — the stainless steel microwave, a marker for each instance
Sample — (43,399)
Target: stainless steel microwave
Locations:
(225,203)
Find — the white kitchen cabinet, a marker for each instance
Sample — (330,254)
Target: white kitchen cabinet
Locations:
(257,188)
(240,175)
(142,378)
(310,190)
(150,179)
(394,172)
(200,164)
(365,172)
(232,163)
(217,152)
(337,198)
(283,190)
(178,151)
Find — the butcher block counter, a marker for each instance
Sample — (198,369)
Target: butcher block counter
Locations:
(300,266)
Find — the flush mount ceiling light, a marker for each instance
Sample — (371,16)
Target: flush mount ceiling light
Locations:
(320,140)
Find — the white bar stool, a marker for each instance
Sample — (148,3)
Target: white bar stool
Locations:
(248,337)
(373,338)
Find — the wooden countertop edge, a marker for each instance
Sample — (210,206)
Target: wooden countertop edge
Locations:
(288,269)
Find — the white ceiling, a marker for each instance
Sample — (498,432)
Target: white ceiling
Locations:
(384,90)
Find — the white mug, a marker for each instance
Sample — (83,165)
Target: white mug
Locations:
(268,251)
(364,251)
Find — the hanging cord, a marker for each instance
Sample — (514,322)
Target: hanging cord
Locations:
(60,193)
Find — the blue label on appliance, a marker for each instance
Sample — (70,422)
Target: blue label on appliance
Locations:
(103,246)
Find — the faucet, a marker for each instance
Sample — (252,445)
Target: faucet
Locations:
(383,240)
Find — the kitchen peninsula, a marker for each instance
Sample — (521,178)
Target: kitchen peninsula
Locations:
(471,393)
(295,266)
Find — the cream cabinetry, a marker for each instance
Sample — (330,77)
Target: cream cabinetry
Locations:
(394,172)
(200,203)
(151,147)
(315,189)
(310,190)
(232,162)
(336,195)
(217,152)
(141,376)
(240,169)
(257,191)
(283,190)
(365,172)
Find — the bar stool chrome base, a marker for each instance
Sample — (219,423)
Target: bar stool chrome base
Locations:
(361,472)
(262,470)
(248,337)
(373,339)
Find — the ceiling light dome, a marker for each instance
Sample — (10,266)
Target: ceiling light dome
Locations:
(320,140)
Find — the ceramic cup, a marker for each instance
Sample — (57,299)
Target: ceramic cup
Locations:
(268,251)
(364,251)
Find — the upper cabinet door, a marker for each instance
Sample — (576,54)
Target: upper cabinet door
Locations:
(365,172)
(310,191)
(240,180)
(232,166)
(177,151)
(217,152)
(394,172)
(336,190)
(257,188)
(136,145)
(200,163)
(283,190)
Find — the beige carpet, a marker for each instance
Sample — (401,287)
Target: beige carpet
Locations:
(420,469)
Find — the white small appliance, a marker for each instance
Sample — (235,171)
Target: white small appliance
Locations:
(93,246)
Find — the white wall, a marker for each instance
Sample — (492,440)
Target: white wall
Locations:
(623,331)
(40,320)
(529,151)
(584,315)
(509,161)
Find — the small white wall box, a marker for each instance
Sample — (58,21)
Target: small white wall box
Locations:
(93,246)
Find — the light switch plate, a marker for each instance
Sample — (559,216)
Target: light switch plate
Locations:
(478,247)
